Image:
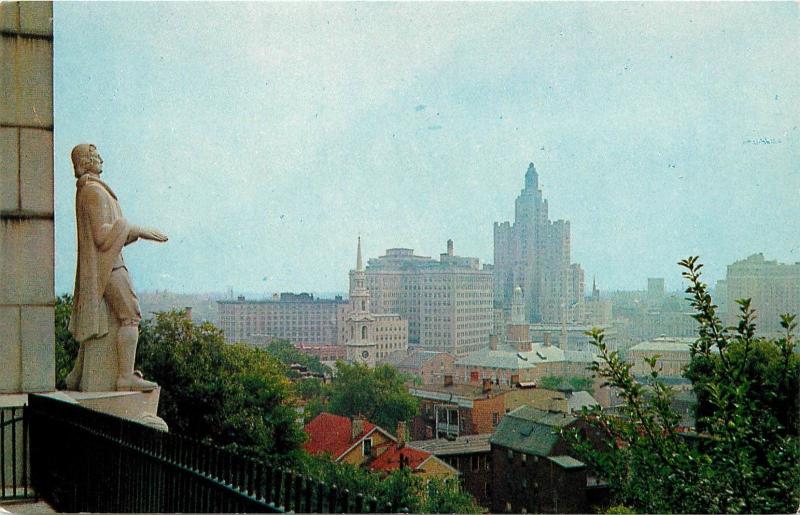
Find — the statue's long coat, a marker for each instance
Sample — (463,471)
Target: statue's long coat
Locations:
(102,232)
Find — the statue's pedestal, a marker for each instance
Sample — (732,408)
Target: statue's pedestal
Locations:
(141,407)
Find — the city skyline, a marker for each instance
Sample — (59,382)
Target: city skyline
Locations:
(261,149)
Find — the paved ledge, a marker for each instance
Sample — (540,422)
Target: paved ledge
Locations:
(25,506)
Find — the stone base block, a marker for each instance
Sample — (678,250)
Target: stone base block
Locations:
(138,406)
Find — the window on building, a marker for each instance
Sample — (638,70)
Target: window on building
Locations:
(363,332)
(367,446)
(495,419)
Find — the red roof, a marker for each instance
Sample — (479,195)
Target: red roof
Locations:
(390,459)
(331,433)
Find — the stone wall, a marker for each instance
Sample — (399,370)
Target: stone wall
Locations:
(26,197)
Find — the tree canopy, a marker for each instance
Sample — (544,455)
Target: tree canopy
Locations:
(745,455)
(379,393)
(401,488)
(555,382)
(288,354)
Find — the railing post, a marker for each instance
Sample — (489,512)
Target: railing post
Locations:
(333,495)
(345,501)
(320,497)
(298,493)
(288,477)
(309,494)
(251,478)
(373,505)
(278,476)
(3,450)
(13,452)
(359,507)
(267,482)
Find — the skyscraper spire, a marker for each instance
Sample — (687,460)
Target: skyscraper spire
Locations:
(531,178)
(359,264)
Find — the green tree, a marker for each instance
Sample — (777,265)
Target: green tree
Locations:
(66,346)
(401,488)
(315,394)
(379,394)
(746,455)
(288,354)
(554,383)
(236,396)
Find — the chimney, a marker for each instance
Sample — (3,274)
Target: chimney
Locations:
(401,433)
(487,385)
(493,341)
(448,380)
(357,427)
(547,341)
(450,251)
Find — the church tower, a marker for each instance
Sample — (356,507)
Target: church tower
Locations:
(360,342)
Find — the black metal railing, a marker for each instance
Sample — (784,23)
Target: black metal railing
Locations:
(87,461)
(14,456)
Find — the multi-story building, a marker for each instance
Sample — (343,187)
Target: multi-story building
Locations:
(773,287)
(672,356)
(533,470)
(448,410)
(427,366)
(471,456)
(327,354)
(299,318)
(448,303)
(534,254)
(368,337)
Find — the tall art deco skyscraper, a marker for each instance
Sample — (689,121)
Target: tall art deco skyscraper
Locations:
(534,254)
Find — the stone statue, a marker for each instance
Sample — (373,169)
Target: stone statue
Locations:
(105,315)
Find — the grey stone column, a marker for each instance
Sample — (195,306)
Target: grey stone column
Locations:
(27,359)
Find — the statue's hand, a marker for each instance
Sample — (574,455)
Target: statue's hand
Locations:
(148,233)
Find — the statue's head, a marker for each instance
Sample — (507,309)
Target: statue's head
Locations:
(86,159)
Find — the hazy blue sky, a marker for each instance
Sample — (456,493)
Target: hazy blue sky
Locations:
(264,138)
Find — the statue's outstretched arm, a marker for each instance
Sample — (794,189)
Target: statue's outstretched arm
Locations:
(104,232)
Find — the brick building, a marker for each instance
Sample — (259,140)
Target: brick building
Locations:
(327,354)
(428,366)
(533,471)
(471,456)
(449,410)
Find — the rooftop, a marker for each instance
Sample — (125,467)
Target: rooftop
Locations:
(414,359)
(665,344)
(507,357)
(530,430)
(566,462)
(461,445)
(396,457)
(329,433)
(463,391)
